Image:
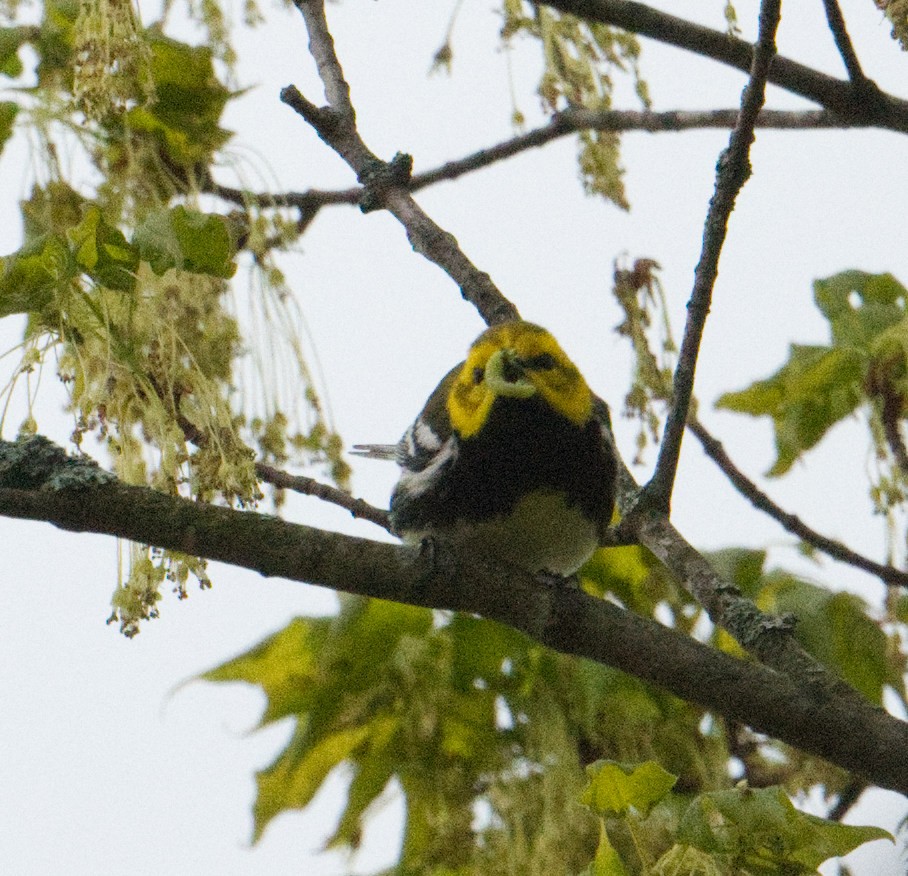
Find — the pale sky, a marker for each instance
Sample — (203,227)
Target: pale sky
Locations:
(111,765)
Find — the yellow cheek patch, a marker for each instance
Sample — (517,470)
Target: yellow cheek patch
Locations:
(481,379)
(470,399)
(562,386)
(566,391)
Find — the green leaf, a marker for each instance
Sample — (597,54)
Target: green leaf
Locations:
(762,831)
(8,112)
(860,306)
(816,388)
(284,665)
(370,777)
(340,678)
(292,780)
(30,277)
(186,240)
(189,103)
(103,253)
(681,860)
(837,630)
(742,566)
(622,571)
(481,650)
(11,38)
(607,861)
(900,610)
(616,789)
(820,385)
(52,209)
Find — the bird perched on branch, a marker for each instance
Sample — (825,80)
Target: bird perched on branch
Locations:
(512,455)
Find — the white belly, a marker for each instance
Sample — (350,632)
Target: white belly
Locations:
(543,534)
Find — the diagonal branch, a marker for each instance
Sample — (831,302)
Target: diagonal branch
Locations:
(732,172)
(747,488)
(386,183)
(865,105)
(768,638)
(39,482)
(836,22)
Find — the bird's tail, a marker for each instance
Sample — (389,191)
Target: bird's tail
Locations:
(376,451)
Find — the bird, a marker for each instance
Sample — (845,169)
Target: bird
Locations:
(511,456)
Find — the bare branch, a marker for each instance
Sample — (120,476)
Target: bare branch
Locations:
(732,172)
(575,119)
(359,508)
(836,22)
(770,639)
(386,183)
(38,482)
(563,124)
(847,798)
(865,105)
(835,549)
(883,386)
(892,430)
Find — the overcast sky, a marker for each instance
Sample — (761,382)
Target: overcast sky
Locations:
(110,765)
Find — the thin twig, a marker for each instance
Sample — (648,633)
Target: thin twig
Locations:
(282,480)
(385,183)
(849,795)
(837,95)
(732,172)
(882,385)
(359,508)
(747,488)
(575,119)
(836,22)
(563,124)
(891,418)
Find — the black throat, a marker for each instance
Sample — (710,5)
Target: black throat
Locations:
(526,446)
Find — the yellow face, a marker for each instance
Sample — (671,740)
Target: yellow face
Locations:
(516,360)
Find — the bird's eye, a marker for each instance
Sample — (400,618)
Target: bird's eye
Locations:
(478,374)
(540,362)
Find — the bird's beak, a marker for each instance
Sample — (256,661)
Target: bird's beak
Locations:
(505,375)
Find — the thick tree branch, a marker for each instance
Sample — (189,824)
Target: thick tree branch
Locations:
(39,482)
(769,638)
(385,183)
(732,172)
(866,105)
(713,448)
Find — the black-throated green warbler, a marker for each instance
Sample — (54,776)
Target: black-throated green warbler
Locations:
(511,456)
